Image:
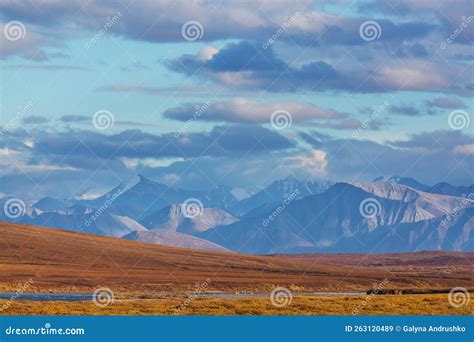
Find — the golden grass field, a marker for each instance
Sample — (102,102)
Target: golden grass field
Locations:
(436,304)
(69,262)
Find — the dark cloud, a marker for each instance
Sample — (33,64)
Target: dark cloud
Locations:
(445,103)
(227,155)
(88,149)
(365,160)
(246,65)
(255,67)
(84,119)
(315,139)
(35,120)
(435,140)
(450,18)
(333,158)
(407,110)
(416,50)
(75,118)
(241,110)
(227,20)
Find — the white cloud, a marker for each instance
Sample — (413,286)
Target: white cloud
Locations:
(464,149)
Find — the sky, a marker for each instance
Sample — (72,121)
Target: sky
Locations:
(197,94)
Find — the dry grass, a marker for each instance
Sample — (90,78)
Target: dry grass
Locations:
(377,305)
(67,262)
(64,261)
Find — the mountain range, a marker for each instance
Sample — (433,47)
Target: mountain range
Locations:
(389,214)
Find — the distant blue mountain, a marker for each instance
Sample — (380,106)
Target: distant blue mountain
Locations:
(277,192)
(287,216)
(332,222)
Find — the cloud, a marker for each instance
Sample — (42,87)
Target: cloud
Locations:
(74,118)
(239,110)
(364,160)
(434,140)
(230,20)
(333,158)
(446,103)
(87,149)
(34,120)
(245,65)
(24,41)
(464,149)
(84,119)
(230,155)
(417,50)
(449,17)
(405,110)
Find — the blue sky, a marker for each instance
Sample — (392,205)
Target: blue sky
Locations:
(370,88)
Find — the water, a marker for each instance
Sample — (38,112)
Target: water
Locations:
(46,297)
(80,297)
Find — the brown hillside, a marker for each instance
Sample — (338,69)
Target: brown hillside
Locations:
(62,260)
